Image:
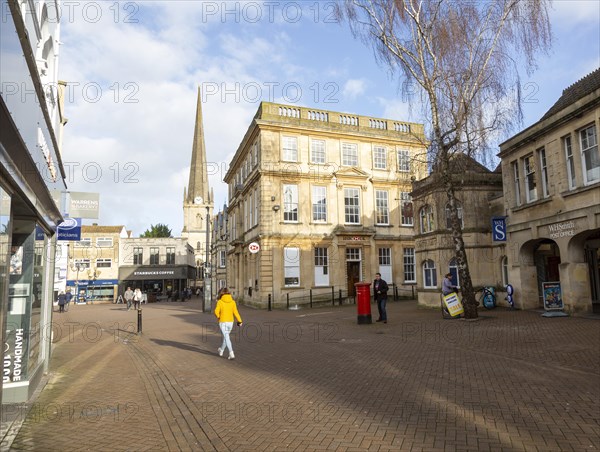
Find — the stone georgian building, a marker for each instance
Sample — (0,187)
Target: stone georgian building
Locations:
(551,176)
(480,198)
(93,263)
(325,196)
(219,247)
(159,266)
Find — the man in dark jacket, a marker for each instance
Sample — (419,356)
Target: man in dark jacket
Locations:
(380,289)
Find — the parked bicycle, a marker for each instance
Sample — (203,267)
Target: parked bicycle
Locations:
(486,297)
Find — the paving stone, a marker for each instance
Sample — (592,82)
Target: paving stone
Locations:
(315,380)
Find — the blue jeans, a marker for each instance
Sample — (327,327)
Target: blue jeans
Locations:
(226,328)
(381,308)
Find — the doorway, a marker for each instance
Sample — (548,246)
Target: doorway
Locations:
(353,272)
(546,256)
(592,257)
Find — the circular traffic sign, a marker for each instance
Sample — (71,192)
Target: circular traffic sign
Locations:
(254,247)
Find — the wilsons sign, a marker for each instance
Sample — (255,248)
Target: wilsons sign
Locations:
(558,230)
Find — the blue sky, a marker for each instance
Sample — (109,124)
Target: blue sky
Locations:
(134,69)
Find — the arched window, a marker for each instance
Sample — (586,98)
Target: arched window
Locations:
(426,218)
(504,269)
(453,270)
(460,215)
(429,274)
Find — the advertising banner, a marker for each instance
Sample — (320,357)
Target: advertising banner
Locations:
(84,205)
(455,307)
(70,229)
(499,229)
(552,296)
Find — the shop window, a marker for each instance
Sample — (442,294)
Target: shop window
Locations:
(291,266)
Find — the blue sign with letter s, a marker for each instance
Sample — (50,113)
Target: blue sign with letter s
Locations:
(499,229)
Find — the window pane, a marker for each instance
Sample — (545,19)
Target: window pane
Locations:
(406,209)
(409,265)
(381,207)
(290,203)
(570,162)
(317,151)
(351,206)
(349,154)
(379,157)
(530,180)
(291,266)
(290,149)
(403,160)
(319,204)
(590,155)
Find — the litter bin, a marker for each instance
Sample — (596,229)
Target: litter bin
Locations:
(363,302)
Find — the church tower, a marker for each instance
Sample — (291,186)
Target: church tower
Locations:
(198,197)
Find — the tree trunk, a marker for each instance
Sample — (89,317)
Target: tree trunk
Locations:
(466,285)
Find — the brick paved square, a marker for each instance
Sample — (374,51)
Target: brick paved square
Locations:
(315,380)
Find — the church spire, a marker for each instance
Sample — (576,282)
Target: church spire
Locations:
(198,183)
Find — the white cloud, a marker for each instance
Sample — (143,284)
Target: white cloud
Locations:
(354,88)
(570,12)
(139,127)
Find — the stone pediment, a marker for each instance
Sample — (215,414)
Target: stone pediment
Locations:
(351,172)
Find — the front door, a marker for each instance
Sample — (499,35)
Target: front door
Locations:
(353,272)
(593,259)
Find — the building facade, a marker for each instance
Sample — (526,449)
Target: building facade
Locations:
(480,199)
(93,263)
(161,267)
(30,169)
(219,247)
(551,176)
(323,198)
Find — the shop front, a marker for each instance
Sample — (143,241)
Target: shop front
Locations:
(100,290)
(158,282)
(30,170)
(563,253)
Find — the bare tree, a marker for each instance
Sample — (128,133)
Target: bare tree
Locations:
(464,56)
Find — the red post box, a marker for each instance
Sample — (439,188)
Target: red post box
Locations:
(363,302)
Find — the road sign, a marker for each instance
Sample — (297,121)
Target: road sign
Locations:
(254,247)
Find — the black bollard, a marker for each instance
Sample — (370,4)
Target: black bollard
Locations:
(139,321)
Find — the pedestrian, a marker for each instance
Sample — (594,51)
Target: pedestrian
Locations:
(137,298)
(128,297)
(145,297)
(447,286)
(380,289)
(68,298)
(62,300)
(225,311)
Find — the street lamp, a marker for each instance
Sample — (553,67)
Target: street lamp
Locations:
(93,275)
(77,266)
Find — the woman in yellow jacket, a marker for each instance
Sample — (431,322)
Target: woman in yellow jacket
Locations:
(225,311)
